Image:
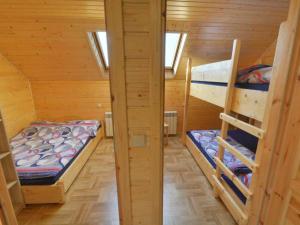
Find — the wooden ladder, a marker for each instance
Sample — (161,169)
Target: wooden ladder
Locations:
(228,119)
(11,198)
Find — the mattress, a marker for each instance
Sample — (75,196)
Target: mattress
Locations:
(251,86)
(256,77)
(206,142)
(44,150)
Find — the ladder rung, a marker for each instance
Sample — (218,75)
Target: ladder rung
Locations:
(11,184)
(255,131)
(233,178)
(230,202)
(3,155)
(248,162)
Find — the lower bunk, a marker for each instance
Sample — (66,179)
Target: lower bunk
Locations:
(203,146)
(49,156)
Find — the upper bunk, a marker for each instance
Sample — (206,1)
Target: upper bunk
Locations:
(209,83)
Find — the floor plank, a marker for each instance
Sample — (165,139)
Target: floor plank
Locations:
(92,199)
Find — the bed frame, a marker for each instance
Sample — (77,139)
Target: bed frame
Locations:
(264,107)
(250,103)
(55,193)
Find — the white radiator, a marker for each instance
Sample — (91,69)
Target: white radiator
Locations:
(170,118)
(108,124)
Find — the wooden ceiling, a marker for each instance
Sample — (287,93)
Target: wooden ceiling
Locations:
(47,40)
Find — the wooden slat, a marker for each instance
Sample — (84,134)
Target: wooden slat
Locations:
(257,132)
(248,162)
(3,155)
(230,202)
(233,178)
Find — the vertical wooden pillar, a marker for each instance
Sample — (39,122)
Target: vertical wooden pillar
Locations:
(281,203)
(136,37)
(188,77)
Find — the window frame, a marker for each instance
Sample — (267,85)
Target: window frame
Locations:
(177,50)
(170,71)
(100,49)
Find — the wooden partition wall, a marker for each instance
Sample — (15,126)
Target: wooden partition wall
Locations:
(16,101)
(136,43)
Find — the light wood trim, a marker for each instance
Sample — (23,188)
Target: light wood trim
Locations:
(250,103)
(42,194)
(255,131)
(238,213)
(248,162)
(212,72)
(68,178)
(186,99)
(233,178)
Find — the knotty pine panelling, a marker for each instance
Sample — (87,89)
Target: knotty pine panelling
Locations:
(47,39)
(268,55)
(69,100)
(16,101)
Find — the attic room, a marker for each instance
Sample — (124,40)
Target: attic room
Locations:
(162,112)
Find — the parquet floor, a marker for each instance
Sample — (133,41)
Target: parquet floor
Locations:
(92,199)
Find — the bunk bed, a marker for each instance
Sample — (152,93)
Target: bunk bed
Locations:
(209,83)
(48,157)
(230,157)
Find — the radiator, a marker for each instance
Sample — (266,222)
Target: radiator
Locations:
(108,124)
(170,118)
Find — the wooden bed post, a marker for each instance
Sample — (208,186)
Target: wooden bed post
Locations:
(188,78)
(136,35)
(228,102)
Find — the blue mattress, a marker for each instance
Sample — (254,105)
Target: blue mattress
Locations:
(243,138)
(258,87)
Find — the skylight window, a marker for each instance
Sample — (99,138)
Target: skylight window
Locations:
(102,40)
(173,49)
(172,42)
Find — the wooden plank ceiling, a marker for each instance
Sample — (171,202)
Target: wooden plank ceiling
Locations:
(46,39)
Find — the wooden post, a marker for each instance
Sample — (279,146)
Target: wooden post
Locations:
(283,181)
(228,101)
(188,78)
(136,34)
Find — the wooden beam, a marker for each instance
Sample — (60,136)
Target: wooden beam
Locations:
(228,100)
(283,178)
(188,78)
(115,36)
(285,79)
(136,34)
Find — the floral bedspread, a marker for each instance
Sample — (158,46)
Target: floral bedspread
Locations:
(44,149)
(209,144)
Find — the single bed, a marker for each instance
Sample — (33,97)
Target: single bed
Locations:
(49,155)
(204,147)
(209,83)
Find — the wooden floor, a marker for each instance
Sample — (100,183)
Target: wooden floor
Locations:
(92,199)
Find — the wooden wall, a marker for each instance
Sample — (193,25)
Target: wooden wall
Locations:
(16,101)
(267,57)
(68,100)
